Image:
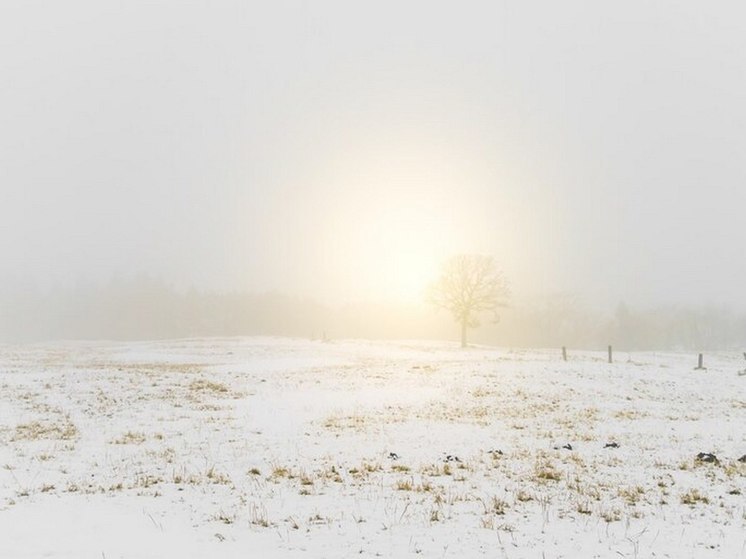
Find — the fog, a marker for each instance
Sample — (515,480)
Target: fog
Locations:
(303,168)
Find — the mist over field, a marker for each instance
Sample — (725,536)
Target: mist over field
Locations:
(334,155)
(149,309)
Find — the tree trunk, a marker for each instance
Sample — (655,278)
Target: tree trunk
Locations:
(463,333)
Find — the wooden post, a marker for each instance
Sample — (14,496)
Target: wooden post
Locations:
(610,360)
(564,353)
(700,360)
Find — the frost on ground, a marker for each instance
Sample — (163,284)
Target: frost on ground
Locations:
(288,448)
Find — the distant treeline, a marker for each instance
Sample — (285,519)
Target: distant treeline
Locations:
(144,308)
(560,321)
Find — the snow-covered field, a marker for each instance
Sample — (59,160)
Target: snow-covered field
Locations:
(266,447)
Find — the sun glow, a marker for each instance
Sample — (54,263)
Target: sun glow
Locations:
(404,251)
(381,216)
(388,243)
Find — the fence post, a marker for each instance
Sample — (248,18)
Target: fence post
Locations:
(564,353)
(610,359)
(700,364)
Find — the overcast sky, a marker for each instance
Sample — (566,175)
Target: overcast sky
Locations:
(341,150)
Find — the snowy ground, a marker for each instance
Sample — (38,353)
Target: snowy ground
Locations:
(281,448)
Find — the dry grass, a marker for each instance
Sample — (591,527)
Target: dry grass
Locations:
(258,516)
(217,477)
(496,506)
(203,385)
(611,515)
(36,430)
(546,471)
(404,485)
(130,437)
(693,497)
(631,495)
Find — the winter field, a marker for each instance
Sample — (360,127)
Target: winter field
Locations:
(264,447)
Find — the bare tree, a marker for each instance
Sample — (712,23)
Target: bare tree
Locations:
(469,286)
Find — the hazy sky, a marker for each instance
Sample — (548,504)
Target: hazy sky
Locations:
(341,150)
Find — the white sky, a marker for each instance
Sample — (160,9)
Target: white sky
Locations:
(341,151)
